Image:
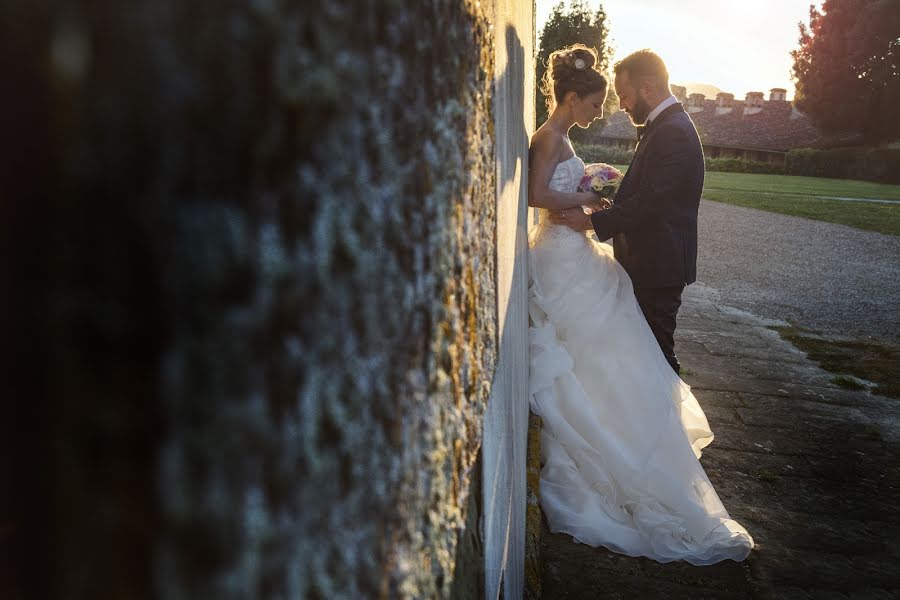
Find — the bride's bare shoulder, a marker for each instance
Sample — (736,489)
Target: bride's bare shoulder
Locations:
(546,142)
(545,135)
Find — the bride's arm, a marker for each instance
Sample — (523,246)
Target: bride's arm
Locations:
(542,159)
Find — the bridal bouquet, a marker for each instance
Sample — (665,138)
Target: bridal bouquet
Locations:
(601,178)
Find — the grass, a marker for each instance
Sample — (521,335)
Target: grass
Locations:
(796,196)
(800,186)
(767,476)
(864,359)
(869,216)
(848,383)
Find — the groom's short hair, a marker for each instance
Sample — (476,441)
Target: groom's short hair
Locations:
(645,65)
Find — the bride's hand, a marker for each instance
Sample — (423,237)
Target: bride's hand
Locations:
(573,218)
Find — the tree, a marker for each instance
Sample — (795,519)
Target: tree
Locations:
(847,68)
(570,26)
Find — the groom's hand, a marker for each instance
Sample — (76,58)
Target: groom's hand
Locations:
(601,204)
(573,218)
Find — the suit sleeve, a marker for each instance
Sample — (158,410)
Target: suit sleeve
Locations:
(667,160)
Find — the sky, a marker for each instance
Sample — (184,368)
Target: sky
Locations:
(738,46)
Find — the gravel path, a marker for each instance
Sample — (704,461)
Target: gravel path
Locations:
(823,276)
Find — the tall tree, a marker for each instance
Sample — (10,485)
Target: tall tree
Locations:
(847,68)
(569,26)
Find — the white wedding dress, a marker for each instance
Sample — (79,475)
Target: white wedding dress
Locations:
(622,433)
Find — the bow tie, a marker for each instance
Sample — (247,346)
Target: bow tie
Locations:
(641,129)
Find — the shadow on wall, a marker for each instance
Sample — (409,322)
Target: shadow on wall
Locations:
(493,566)
(513,79)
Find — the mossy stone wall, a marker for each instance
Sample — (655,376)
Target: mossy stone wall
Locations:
(251,250)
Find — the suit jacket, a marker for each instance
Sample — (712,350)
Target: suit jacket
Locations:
(653,222)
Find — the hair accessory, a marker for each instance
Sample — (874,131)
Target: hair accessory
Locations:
(580,64)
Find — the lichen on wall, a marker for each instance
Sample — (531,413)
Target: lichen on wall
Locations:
(373,307)
(293,205)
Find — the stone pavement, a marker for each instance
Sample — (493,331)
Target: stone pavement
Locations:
(810,469)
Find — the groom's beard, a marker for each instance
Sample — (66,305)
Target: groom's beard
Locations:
(640,112)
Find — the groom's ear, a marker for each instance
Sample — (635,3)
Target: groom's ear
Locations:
(648,87)
(643,88)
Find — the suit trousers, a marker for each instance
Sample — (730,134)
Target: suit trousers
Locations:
(660,307)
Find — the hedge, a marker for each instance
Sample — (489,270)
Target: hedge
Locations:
(592,153)
(872,164)
(734,165)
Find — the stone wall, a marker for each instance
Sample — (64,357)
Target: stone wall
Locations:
(253,254)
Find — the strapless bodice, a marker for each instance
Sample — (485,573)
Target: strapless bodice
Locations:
(566,177)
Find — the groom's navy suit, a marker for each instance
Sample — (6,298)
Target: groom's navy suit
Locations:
(653,223)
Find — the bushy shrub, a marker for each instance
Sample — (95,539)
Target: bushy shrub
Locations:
(734,165)
(873,164)
(593,153)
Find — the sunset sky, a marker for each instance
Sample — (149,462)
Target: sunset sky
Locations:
(735,45)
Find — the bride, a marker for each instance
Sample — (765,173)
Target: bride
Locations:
(622,434)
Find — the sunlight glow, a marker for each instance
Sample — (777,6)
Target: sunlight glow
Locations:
(736,46)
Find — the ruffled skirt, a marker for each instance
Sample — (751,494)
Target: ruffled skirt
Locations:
(622,434)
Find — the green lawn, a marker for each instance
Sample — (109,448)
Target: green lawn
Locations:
(799,186)
(881,218)
(796,196)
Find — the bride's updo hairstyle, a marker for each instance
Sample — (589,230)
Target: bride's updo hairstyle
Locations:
(571,69)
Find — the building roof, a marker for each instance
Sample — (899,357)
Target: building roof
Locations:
(777,126)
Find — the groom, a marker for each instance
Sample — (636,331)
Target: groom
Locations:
(654,220)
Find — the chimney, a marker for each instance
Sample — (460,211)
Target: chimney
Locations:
(724,102)
(680,92)
(695,103)
(777,95)
(753,103)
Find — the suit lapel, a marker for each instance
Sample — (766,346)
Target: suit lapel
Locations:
(670,110)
